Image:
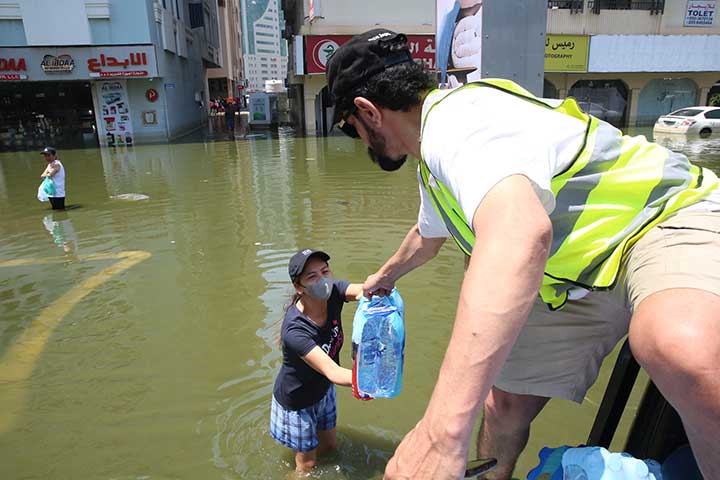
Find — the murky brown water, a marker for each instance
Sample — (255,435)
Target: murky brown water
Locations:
(117,366)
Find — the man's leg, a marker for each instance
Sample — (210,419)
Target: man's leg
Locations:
(505,429)
(675,336)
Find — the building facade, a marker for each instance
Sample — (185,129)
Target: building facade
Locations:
(228,80)
(645,58)
(627,61)
(113,72)
(264,48)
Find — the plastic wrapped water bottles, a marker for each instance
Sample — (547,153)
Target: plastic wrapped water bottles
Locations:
(592,463)
(379,338)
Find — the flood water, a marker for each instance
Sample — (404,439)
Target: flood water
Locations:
(137,337)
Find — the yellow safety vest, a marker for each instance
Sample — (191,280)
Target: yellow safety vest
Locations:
(615,190)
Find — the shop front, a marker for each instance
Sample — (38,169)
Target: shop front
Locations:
(317,50)
(77,96)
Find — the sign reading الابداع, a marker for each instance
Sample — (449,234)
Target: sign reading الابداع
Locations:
(566,53)
(700,13)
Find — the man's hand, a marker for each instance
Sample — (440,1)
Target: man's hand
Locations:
(377,284)
(422,455)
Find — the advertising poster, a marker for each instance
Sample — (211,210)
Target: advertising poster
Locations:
(259,108)
(114,113)
(459,41)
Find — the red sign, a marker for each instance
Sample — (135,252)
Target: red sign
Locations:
(98,66)
(12,65)
(318,49)
(151,94)
(12,76)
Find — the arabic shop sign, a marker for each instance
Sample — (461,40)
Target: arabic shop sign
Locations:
(57,63)
(77,63)
(112,66)
(12,65)
(318,49)
(700,13)
(566,53)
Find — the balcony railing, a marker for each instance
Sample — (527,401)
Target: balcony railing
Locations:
(655,7)
(575,6)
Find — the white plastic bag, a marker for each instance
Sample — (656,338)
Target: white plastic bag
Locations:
(46,189)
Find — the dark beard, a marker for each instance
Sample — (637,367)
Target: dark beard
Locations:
(376,152)
(386,163)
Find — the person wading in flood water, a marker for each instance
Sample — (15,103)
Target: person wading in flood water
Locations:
(304,411)
(56,171)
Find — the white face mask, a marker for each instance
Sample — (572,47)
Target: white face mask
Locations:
(320,290)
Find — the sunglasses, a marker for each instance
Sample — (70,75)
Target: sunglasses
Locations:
(345,127)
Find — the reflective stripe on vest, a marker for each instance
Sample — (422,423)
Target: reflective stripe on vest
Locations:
(615,190)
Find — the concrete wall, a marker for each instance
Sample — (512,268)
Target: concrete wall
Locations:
(139,104)
(638,22)
(408,16)
(181,79)
(77,22)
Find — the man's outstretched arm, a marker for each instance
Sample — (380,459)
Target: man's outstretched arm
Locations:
(513,235)
(414,251)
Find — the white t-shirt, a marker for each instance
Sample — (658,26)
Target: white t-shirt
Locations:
(59,179)
(478,136)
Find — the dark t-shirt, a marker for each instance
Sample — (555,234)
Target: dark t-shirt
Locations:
(298,385)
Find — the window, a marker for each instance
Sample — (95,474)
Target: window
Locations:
(575,5)
(686,112)
(713,114)
(654,6)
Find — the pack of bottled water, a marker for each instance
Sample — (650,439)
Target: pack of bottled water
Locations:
(592,463)
(379,340)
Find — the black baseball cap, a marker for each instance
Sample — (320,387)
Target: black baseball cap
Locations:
(48,151)
(298,261)
(361,58)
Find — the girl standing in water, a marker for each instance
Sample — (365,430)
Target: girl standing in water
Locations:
(303,412)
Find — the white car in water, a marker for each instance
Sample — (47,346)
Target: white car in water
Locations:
(701,121)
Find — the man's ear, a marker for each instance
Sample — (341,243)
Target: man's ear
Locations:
(369,112)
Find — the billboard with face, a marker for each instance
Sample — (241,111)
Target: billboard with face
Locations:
(459,41)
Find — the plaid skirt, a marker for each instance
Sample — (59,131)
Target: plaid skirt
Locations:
(297,429)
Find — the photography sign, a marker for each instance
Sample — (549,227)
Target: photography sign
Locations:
(700,13)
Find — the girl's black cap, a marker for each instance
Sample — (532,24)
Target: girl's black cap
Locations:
(298,261)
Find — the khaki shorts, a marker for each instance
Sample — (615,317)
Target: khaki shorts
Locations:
(558,354)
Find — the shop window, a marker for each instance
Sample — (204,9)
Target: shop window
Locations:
(662,96)
(713,98)
(549,90)
(604,99)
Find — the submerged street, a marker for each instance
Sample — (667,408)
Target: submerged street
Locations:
(137,330)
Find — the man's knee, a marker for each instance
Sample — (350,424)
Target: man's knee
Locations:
(512,411)
(676,348)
